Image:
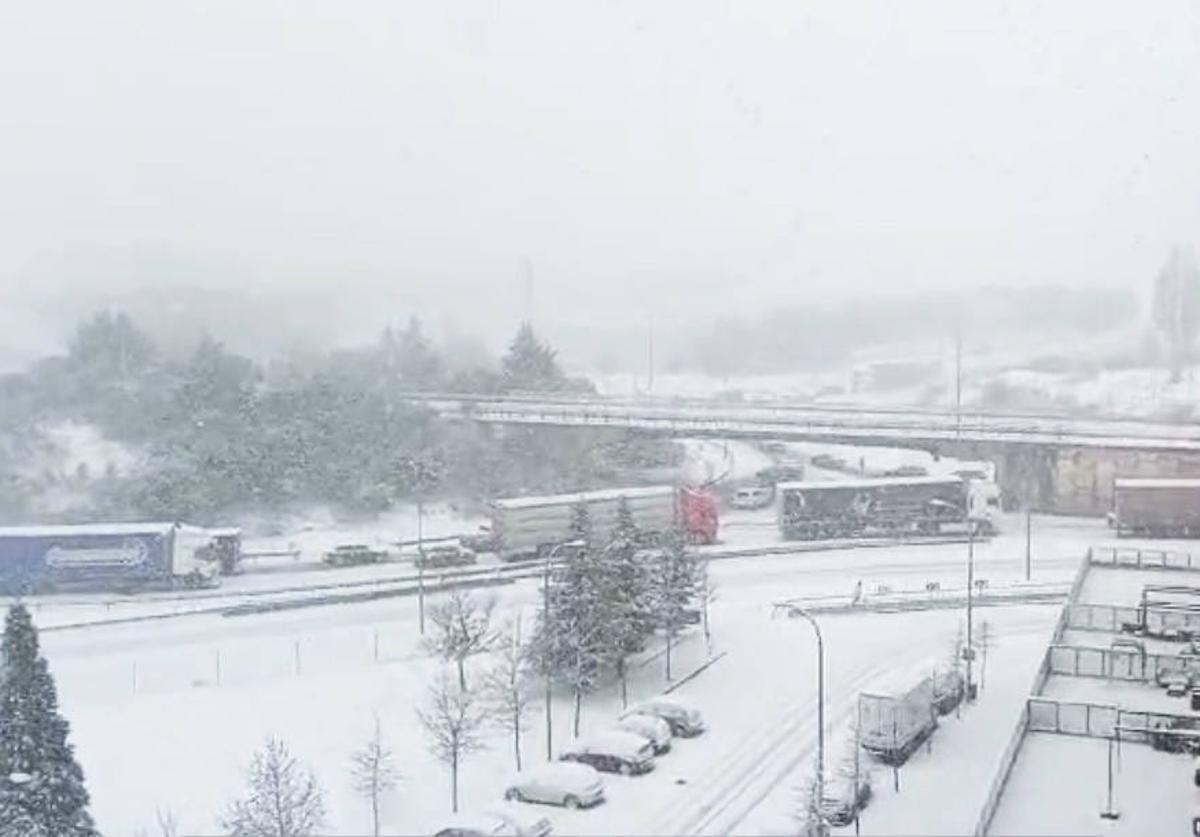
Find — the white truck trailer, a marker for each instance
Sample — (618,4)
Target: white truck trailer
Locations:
(525,527)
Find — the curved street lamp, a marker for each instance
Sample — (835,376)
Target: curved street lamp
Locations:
(797,611)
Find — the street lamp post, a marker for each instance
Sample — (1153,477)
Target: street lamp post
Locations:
(969,651)
(796,611)
(546,627)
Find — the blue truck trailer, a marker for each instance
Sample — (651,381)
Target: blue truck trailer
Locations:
(125,556)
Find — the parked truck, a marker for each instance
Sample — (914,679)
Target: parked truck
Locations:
(526,527)
(892,727)
(1156,507)
(885,506)
(123,556)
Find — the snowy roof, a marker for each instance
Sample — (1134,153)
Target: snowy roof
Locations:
(873,482)
(585,497)
(1157,482)
(85,529)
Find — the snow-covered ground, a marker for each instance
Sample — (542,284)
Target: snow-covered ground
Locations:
(175,709)
(1059,785)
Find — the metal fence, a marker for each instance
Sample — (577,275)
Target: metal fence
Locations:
(1099,720)
(1110,618)
(1153,559)
(1118,663)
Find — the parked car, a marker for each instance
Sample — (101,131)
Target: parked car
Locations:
(476,825)
(613,752)
(558,783)
(842,802)
(685,720)
(753,497)
(523,821)
(652,728)
(1178,684)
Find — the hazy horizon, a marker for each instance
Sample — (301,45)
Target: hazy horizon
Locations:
(303,175)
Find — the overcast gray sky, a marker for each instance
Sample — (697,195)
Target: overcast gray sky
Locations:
(350,161)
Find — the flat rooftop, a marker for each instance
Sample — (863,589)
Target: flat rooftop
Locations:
(1058,783)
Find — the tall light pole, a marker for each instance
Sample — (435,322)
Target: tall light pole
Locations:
(969,651)
(796,611)
(546,627)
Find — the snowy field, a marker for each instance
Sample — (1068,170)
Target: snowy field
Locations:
(175,708)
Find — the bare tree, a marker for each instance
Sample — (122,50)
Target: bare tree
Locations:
(462,627)
(283,798)
(374,773)
(810,822)
(510,689)
(1176,308)
(453,721)
(984,641)
(165,823)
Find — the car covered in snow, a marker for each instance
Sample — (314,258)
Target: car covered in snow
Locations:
(1178,684)
(753,497)
(525,822)
(651,727)
(684,719)
(476,825)
(613,752)
(842,802)
(558,783)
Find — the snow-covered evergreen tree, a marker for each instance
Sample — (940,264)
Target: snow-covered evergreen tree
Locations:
(572,644)
(581,523)
(674,590)
(631,613)
(42,793)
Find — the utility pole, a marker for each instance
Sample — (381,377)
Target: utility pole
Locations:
(546,663)
(650,360)
(1028,541)
(969,651)
(957,384)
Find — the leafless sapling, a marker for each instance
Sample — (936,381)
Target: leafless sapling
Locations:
(283,798)
(462,627)
(374,772)
(510,688)
(453,720)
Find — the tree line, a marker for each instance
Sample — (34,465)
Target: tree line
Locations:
(217,432)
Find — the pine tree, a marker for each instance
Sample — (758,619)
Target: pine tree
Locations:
(631,612)
(674,586)
(572,644)
(530,365)
(42,793)
(581,524)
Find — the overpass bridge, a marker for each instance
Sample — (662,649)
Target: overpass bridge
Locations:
(1052,463)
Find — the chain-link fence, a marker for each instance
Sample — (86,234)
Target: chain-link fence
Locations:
(1098,720)
(1157,559)
(1119,663)
(1111,618)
